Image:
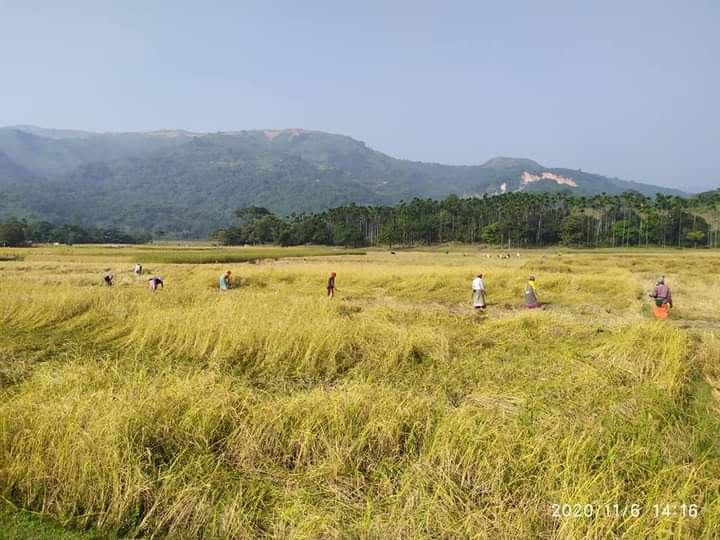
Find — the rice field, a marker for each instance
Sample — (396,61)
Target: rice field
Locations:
(391,411)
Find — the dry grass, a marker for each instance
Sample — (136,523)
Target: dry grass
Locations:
(394,411)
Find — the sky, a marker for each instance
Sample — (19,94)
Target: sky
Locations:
(622,88)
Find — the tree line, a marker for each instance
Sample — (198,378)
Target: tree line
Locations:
(16,232)
(512,220)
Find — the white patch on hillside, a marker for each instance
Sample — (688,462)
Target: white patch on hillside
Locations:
(503,187)
(529,178)
(270,134)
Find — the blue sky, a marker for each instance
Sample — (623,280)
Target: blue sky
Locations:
(627,89)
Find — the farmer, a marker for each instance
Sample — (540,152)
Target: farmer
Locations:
(531,299)
(478,292)
(225,281)
(108,278)
(154,282)
(663,299)
(331,285)
(137,270)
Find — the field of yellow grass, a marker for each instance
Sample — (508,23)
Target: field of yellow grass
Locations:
(392,411)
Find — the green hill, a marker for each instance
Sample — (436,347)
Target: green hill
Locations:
(186,184)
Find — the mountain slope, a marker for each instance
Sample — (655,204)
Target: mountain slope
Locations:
(187,183)
(9,170)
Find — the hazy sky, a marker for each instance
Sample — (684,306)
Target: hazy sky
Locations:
(623,88)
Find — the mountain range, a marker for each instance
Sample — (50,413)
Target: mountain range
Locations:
(184,184)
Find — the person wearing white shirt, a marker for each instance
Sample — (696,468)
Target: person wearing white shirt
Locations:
(478,292)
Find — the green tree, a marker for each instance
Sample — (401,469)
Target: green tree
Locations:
(571,230)
(490,234)
(695,237)
(12,233)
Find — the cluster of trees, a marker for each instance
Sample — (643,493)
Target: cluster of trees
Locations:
(513,219)
(15,232)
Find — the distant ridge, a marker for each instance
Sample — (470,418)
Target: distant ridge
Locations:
(57,134)
(186,183)
(512,163)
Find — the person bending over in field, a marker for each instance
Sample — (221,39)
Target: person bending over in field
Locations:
(108,279)
(663,299)
(478,292)
(225,281)
(137,270)
(531,298)
(155,282)
(331,285)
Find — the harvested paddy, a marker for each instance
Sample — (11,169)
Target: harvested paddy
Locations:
(392,411)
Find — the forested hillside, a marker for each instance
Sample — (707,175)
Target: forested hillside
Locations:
(182,184)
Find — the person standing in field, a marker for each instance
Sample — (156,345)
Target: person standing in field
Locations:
(331,285)
(137,270)
(531,298)
(155,282)
(108,278)
(478,292)
(225,281)
(663,299)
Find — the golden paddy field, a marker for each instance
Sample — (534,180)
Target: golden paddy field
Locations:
(392,411)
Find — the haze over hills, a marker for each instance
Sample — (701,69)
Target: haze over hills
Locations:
(185,184)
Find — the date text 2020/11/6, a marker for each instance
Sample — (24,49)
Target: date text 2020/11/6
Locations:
(589,510)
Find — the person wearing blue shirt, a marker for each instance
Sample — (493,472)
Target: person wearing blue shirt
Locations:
(225,281)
